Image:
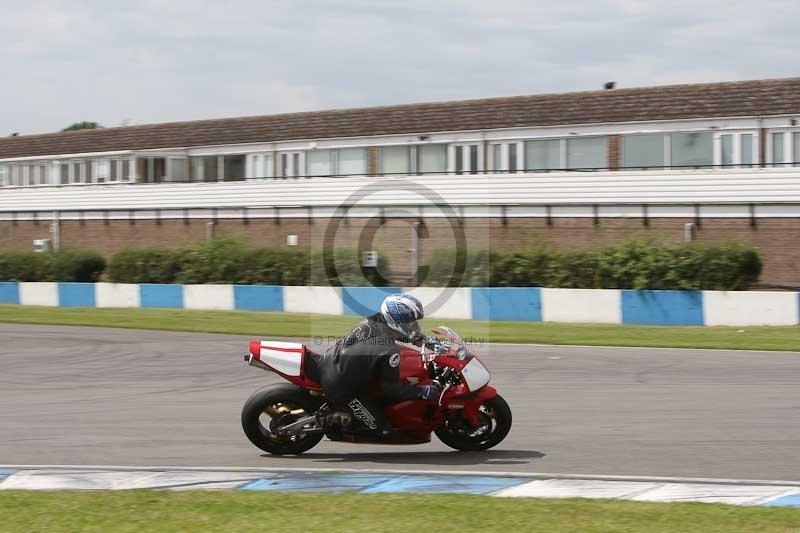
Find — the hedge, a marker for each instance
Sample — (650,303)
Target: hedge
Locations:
(633,265)
(65,265)
(229,261)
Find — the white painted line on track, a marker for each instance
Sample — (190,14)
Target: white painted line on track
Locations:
(531,475)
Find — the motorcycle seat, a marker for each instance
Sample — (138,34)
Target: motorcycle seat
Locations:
(311,365)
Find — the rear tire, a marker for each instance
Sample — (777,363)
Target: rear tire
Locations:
(281,397)
(495,423)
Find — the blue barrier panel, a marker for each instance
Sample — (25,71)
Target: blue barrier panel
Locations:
(521,304)
(157,295)
(365,301)
(258,297)
(76,295)
(9,292)
(662,308)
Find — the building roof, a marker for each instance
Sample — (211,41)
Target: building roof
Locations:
(673,102)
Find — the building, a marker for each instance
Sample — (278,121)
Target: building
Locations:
(707,162)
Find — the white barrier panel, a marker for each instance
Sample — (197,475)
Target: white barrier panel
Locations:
(728,308)
(117,295)
(38,293)
(444,302)
(598,306)
(208,297)
(322,300)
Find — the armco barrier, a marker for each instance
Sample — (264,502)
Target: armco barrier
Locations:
(528,304)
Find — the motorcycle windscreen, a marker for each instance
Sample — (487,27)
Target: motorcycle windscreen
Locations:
(285,357)
(475,374)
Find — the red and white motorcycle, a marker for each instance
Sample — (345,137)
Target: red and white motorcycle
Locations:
(289,418)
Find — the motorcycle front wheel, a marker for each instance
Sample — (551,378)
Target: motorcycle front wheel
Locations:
(494,423)
(275,406)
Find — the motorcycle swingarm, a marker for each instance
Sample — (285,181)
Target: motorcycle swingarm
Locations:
(298,427)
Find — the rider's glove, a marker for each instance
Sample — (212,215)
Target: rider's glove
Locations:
(418,339)
(428,392)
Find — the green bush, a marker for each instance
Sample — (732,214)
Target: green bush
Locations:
(65,265)
(632,265)
(22,266)
(145,265)
(230,261)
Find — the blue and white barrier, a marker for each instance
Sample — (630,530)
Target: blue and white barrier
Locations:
(527,304)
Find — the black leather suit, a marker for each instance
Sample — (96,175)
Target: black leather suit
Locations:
(369,353)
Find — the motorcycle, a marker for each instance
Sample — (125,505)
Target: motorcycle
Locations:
(291,418)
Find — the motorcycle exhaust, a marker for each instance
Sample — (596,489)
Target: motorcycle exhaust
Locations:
(252,361)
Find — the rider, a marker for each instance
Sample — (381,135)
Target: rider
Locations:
(371,352)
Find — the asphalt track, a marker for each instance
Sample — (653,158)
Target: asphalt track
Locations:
(148,398)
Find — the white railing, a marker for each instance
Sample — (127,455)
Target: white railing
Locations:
(528,190)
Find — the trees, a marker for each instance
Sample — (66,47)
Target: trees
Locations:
(83,126)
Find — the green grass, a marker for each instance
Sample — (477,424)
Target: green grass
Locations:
(308,326)
(241,511)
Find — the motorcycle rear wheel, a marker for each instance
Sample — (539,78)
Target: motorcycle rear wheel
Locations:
(494,425)
(281,404)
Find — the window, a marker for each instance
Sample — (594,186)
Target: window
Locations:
(352,162)
(778,152)
(691,149)
(89,166)
(497,158)
(204,168)
(63,173)
(736,149)
(431,159)
(210,168)
(726,146)
(587,152)
(395,160)
(178,169)
(45,173)
(233,167)
(746,149)
(418,159)
(125,165)
(319,163)
(796,147)
(3,175)
(25,173)
(290,164)
(151,169)
(466,158)
(337,162)
(262,166)
(642,151)
(543,155)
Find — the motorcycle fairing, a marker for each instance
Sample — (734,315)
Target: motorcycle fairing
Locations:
(287,359)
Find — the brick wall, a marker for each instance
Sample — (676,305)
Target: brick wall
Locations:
(775,237)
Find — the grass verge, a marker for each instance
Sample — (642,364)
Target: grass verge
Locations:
(308,326)
(241,511)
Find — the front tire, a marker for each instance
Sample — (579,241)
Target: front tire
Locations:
(494,424)
(278,405)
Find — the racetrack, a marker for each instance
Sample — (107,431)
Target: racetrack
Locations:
(126,397)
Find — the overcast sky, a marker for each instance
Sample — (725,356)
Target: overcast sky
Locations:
(146,61)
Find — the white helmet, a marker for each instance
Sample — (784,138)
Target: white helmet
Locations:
(401,312)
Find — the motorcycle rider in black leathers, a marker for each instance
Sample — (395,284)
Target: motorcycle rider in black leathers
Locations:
(370,353)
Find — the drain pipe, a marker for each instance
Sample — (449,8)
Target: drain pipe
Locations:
(415,253)
(55,231)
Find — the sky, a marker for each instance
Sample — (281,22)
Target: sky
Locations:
(135,62)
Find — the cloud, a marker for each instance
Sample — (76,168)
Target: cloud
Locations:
(163,60)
